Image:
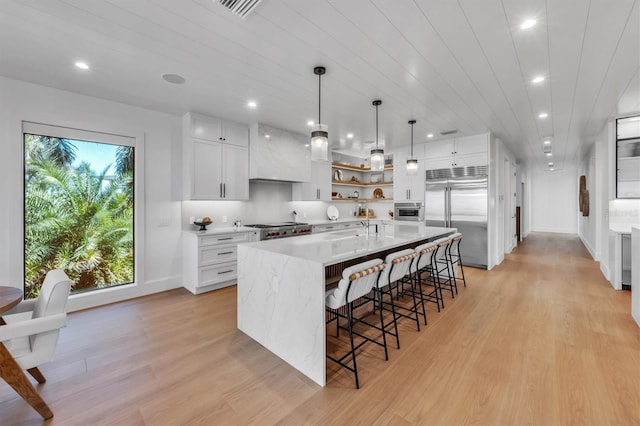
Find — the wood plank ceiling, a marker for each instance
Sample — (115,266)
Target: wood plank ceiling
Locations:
(464,65)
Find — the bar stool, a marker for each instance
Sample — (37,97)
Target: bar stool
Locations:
(357,281)
(442,266)
(398,264)
(455,259)
(423,265)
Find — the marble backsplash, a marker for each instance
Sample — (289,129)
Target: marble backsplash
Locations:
(271,202)
(624,212)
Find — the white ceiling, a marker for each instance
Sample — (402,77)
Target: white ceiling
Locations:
(462,65)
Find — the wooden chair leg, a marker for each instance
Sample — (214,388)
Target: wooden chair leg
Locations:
(36,374)
(11,372)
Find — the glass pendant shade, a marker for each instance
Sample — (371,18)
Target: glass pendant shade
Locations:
(377,160)
(377,154)
(412,167)
(412,163)
(320,134)
(320,143)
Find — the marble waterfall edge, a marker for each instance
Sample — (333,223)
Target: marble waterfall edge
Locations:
(277,293)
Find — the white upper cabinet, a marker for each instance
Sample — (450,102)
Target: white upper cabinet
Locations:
(214,129)
(459,152)
(318,188)
(215,159)
(277,154)
(408,188)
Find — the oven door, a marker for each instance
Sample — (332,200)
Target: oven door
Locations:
(412,212)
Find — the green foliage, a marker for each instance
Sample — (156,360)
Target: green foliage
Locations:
(78,221)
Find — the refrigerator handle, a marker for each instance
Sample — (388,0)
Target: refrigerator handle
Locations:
(449,207)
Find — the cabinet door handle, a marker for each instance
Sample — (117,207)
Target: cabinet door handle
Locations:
(225,272)
(224,190)
(226,252)
(409,195)
(220,190)
(329,227)
(226,238)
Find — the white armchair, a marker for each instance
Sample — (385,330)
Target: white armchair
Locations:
(32,327)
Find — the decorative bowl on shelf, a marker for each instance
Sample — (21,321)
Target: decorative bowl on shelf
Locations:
(202,225)
(377,193)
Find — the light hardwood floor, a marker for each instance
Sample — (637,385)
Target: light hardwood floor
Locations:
(542,339)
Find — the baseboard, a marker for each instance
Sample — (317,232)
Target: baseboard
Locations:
(555,230)
(78,302)
(591,250)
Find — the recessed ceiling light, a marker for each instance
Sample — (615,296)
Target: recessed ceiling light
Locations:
(252,104)
(538,79)
(306,145)
(82,65)
(173,78)
(310,123)
(349,135)
(549,154)
(528,24)
(267,136)
(429,135)
(543,115)
(550,164)
(547,142)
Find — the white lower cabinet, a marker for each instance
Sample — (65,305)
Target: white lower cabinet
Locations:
(210,260)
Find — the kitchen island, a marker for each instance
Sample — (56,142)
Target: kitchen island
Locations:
(281,285)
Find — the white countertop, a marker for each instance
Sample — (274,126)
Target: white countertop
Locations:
(220,230)
(333,247)
(622,228)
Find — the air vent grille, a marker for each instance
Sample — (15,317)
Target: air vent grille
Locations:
(449,132)
(240,7)
(456,172)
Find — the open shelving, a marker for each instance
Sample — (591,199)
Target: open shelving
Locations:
(360,177)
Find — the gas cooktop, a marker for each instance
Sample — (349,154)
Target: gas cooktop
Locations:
(275,225)
(281,230)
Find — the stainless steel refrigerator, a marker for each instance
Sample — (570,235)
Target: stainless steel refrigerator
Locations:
(457,198)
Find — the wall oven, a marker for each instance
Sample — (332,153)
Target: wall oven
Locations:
(413,212)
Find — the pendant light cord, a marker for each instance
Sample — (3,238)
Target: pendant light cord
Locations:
(376,126)
(319,95)
(412,140)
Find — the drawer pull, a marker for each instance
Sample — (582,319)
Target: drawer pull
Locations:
(227,238)
(225,272)
(329,227)
(226,252)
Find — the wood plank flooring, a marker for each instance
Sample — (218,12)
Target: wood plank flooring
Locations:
(542,339)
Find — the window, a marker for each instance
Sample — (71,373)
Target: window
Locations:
(78,207)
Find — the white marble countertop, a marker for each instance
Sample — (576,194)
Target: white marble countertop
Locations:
(622,228)
(333,247)
(220,230)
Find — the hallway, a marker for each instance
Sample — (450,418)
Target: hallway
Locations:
(542,339)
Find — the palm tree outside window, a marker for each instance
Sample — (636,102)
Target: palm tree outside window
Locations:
(78,212)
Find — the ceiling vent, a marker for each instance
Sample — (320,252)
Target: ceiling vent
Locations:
(449,132)
(240,7)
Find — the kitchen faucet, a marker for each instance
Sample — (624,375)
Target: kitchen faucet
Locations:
(366,223)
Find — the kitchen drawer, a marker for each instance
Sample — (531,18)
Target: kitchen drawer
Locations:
(235,237)
(208,255)
(213,274)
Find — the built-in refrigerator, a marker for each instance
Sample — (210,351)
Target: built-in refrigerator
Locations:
(457,198)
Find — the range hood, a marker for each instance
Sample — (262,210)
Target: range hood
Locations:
(278,155)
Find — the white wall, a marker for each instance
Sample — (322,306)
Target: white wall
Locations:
(162,136)
(502,182)
(554,201)
(587,224)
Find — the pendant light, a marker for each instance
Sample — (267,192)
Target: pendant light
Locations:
(412,163)
(377,154)
(320,133)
